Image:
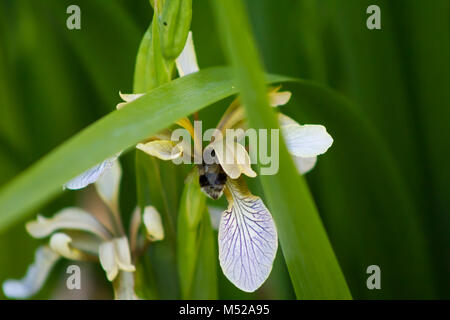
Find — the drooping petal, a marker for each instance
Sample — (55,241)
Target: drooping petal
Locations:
(60,243)
(107,256)
(126,97)
(108,185)
(91,175)
(153,223)
(187,60)
(162,149)
(123,256)
(304,165)
(248,239)
(114,256)
(44,260)
(305,140)
(69,218)
(279,98)
(233,158)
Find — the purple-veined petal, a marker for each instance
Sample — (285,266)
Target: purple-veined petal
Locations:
(44,260)
(90,176)
(248,239)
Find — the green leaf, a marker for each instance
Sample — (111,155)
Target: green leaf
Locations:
(192,209)
(312,264)
(117,131)
(204,285)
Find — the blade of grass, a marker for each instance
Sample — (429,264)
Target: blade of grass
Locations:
(312,265)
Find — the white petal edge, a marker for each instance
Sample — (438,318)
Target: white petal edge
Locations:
(44,260)
(108,185)
(153,223)
(161,149)
(248,239)
(114,256)
(107,256)
(187,60)
(90,176)
(68,218)
(279,98)
(305,141)
(61,244)
(123,256)
(304,165)
(128,97)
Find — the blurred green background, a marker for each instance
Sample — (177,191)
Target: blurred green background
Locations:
(383,189)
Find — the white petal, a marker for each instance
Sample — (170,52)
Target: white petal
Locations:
(153,223)
(69,218)
(60,243)
(107,255)
(304,165)
(233,158)
(248,238)
(37,273)
(187,61)
(277,98)
(305,140)
(128,98)
(91,175)
(123,256)
(162,149)
(108,185)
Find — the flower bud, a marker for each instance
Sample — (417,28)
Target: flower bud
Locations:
(174,25)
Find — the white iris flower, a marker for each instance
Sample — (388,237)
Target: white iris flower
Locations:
(77,235)
(248,238)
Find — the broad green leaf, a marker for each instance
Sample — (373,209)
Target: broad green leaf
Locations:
(312,265)
(117,131)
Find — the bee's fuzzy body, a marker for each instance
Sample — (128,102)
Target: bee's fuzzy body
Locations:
(212,179)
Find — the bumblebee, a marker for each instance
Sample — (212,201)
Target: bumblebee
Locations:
(212,179)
